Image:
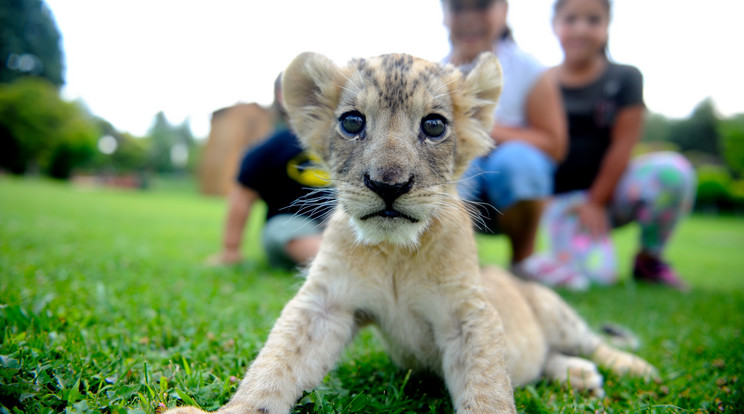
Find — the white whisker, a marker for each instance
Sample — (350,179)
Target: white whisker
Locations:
(350,90)
(361,78)
(444,94)
(318,203)
(444,68)
(452,81)
(350,81)
(470,177)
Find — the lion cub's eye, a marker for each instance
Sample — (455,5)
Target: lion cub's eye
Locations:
(433,126)
(352,122)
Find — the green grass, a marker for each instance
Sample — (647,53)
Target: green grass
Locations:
(106,306)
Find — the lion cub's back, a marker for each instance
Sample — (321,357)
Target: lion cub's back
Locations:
(526,344)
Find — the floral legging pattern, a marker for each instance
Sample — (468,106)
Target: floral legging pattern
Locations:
(656,191)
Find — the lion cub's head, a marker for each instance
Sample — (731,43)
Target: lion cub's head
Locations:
(394,132)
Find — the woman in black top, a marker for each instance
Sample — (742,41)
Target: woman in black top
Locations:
(598,186)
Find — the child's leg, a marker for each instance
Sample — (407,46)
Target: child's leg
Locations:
(656,191)
(571,244)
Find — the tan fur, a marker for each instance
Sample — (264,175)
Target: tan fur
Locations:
(414,275)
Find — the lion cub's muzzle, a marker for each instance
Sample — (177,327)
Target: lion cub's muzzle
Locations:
(389,192)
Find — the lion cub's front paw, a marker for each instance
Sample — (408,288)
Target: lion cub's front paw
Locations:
(583,375)
(580,374)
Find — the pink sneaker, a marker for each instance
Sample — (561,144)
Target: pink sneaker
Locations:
(653,270)
(548,271)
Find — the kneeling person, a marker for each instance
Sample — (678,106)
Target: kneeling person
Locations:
(284,176)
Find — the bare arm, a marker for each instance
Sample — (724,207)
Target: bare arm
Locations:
(625,134)
(546,119)
(240,202)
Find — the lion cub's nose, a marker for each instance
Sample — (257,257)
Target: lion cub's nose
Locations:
(388,192)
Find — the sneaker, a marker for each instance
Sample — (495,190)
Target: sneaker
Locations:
(653,270)
(548,271)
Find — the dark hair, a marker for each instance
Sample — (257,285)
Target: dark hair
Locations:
(507,33)
(558,5)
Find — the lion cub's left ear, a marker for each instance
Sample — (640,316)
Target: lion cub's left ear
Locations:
(475,99)
(482,84)
(311,87)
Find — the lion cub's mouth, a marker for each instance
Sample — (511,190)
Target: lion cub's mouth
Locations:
(390,214)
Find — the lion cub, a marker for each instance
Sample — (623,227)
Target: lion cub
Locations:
(395,132)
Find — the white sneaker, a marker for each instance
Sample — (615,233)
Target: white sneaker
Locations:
(548,271)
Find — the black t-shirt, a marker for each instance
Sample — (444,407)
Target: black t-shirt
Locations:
(592,111)
(285,176)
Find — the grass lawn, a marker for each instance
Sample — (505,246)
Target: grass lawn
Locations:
(106,306)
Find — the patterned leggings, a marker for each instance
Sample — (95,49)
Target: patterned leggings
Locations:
(656,191)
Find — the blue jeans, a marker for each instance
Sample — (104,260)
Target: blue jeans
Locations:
(515,171)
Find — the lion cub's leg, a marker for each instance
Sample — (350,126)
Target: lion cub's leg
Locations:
(567,333)
(470,336)
(305,342)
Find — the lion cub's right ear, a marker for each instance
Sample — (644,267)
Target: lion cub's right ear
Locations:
(311,86)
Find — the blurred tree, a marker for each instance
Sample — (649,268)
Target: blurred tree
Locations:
(699,132)
(119,153)
(131,153)
(169,145)
(714,145)
(655,128)
(40,131)
(29,42)
(732,143)
(713,182)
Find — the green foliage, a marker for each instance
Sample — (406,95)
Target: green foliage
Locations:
(170,146)
(709,143)
(157,153)
(29,42)
(697,133)
(40,130)
(106,306)
(655,128)
(129,154)
(713,186)
(732,142)
(736,191)
(717,190)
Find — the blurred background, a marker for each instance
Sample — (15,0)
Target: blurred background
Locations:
(128,94)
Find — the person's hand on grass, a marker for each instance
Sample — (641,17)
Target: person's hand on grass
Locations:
(593,219)
(226,257)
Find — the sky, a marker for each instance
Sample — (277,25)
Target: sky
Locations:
(129,59)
